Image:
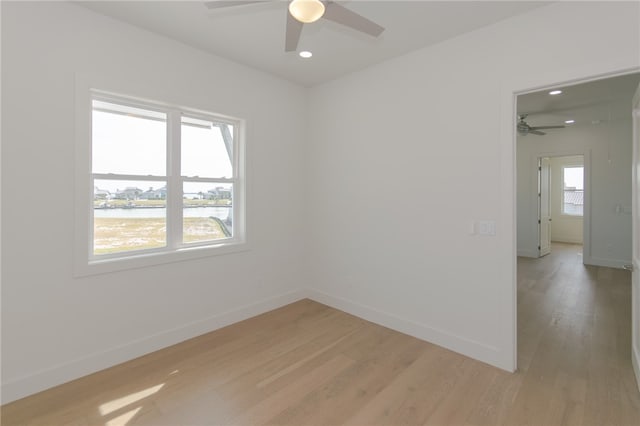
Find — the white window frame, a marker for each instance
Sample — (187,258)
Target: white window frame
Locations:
(562,190)
(86,263)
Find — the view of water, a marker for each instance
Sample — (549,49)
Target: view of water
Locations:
(219,212)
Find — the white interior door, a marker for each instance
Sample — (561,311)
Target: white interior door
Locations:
(544,206)
(635,267)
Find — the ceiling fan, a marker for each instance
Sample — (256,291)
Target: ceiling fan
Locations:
(302,12)
(524,129)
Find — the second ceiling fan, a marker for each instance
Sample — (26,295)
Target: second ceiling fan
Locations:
(524,128)
(302,12)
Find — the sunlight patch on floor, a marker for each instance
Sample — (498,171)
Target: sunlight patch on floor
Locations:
(123,419)
(116,404)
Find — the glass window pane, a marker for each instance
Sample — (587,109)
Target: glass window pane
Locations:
(128,215)
(207,149)
(207,211)
(574,177)
(128,140)
(573,194)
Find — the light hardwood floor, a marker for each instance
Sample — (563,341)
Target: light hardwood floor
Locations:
(308,364)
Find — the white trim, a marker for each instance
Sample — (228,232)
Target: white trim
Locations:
(567,240)
(111,176)
(528,253)
(608,263)
(27,385)
(147,258)
(468,347)
(635,360)
(635,346)
(635,316)
(174,183)
(508,205)
(635,252)
(83,218)
(1,275)
(85,262)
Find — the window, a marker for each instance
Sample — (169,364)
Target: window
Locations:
(163,179)
(573,190)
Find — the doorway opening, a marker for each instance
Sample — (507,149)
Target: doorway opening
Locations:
(561,201)
(584,153)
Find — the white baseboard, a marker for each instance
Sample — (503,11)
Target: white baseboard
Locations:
(567,240)
(635,360)
(485,353)
(609,263)
(527,253)
(45,379)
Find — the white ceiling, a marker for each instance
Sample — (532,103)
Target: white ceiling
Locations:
(254,34)
(591,103)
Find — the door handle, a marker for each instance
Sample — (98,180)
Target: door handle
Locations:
(628,267)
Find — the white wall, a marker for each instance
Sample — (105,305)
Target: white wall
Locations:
(609,148)
(407,154)
(55,327)
(564,228)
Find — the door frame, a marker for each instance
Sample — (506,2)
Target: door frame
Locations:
(510,89)
(586,215)
(635,258)
(547,194)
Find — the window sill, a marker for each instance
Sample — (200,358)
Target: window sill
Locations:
(136,261)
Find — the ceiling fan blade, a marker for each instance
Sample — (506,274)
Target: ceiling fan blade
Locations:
(537,132)
(292,36)
(220,3)
(340,14)
(547,127)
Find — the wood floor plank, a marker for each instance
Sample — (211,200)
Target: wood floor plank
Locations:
(470,389)
(279,401)
(497,400)
(355,386)
(414,393)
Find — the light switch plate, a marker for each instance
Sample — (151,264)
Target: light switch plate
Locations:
(487,227)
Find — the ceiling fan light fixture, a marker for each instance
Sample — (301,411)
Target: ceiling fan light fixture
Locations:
(306,11)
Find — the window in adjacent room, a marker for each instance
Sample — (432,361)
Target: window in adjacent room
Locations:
(573,190)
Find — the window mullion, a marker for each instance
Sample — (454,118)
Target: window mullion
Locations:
(115,176)
(238,187)
(91,218)
(208,180)
(174,190)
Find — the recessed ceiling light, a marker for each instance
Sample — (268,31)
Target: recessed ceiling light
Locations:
(569,121)
(305,54)
(555,92)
